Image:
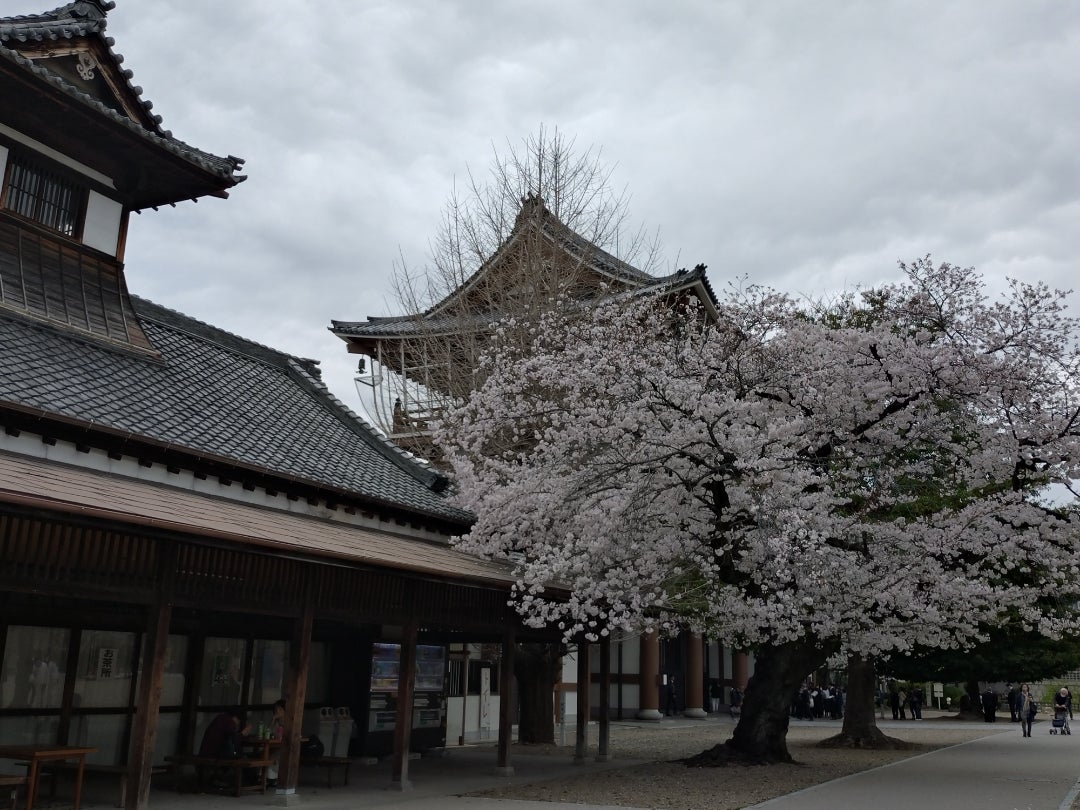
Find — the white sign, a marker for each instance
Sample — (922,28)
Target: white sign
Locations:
(485,698)
(106,661)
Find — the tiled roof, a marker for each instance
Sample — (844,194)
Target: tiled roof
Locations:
(441,323)
(63,488)
(442,319)
(401,325)
(217,394)
(78,19)
(86,18)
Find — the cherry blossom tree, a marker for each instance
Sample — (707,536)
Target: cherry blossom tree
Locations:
(485,264)
(764,479)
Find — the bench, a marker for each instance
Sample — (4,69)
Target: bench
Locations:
(51,769)
(211,765)
(12,781)
(331,764)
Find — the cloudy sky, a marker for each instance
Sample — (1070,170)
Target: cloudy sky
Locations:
(806,145)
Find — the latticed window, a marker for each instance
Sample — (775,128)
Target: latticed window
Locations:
(45,196)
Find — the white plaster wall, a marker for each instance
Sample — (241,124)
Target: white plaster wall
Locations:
(714,659)
(101,229)
(3,160)
(631,656)
(473,732)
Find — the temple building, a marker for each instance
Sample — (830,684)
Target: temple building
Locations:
(413,365)
(189,520)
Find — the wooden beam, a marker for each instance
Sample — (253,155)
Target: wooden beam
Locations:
(295,697)
(403,721)
(605,700)
(506,704)
(695,674)
(582,731)
(156,639)
(649,688)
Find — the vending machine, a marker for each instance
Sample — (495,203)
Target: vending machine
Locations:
(429,698)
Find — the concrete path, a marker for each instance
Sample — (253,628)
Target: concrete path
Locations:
(1005,771)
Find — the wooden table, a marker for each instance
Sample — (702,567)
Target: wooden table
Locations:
(261,747)
(34,755)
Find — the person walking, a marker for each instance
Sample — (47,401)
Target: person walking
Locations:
(1025,708)
(989,704)
(735,703)
(1063,707)
(894,703)
(916,703)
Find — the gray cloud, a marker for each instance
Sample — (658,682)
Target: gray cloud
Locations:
(809,146)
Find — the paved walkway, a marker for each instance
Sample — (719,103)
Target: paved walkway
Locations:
(1003,771)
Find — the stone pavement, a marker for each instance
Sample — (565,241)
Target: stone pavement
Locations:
(1004,770)
(436,783)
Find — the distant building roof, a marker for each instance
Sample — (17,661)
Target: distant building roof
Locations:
(445,317)
(213,395)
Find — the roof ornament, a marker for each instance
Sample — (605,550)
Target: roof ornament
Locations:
(531,204)
(86,66)
(92,9)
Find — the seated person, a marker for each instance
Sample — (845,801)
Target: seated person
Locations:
(277,732)
(224,737)
(277,723)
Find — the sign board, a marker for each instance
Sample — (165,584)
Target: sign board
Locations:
(106,660)
(485,698)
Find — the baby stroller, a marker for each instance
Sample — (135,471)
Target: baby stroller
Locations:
(1060,723)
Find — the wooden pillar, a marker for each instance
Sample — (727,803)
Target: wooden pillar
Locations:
(144,732)
(295,697)
(582,731)
(506,706)
(403,720)
(464,696)
(695,675)
(740,669)
(605,700)
(649,677)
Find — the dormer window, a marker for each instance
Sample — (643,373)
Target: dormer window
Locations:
(43,195)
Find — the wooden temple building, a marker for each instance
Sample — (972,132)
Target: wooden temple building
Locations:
(189,520)
(414,364)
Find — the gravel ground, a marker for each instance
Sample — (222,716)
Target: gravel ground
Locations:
(652,780)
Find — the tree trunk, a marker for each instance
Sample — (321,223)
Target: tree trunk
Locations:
(536,667)
(970,707)
(761,734)
(860,726)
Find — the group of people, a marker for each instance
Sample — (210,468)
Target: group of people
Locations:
(1023,706)
(716,697)
(901,702)
(812,701)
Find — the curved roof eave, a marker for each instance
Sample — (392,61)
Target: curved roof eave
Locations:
(224,169)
